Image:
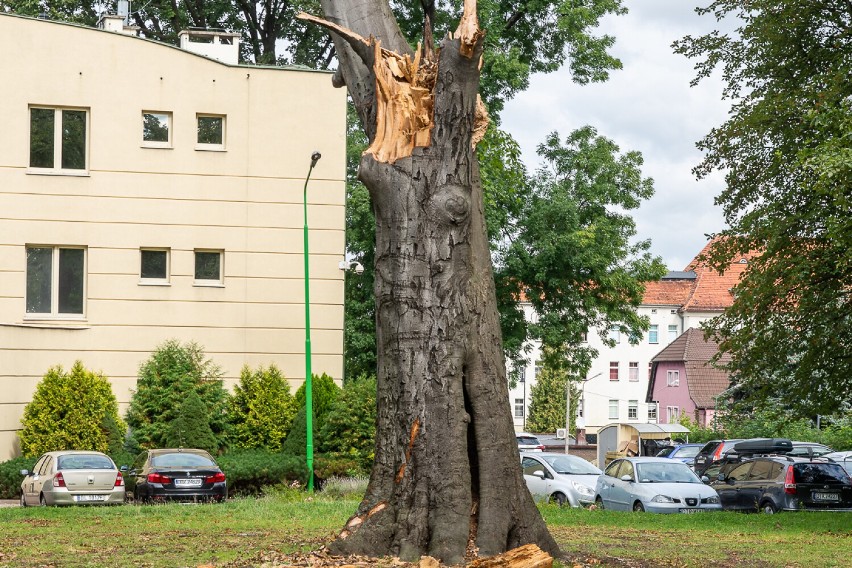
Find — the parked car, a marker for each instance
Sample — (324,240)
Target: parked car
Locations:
(656,485)
(710,452)
(176,475)
(743,450)
(785,483)
(844,459)
(72,478)
(528,443)
(560,478)
(684,452)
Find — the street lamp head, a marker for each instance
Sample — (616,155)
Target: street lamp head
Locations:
(315,158)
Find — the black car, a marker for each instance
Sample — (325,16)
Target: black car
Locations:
(784,483)
(175,475)
(711,452)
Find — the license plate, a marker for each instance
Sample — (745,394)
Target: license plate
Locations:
(188,482)
(89,497)
(690,510)
(826,497)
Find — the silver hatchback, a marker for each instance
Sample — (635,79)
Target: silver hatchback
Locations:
(72,478)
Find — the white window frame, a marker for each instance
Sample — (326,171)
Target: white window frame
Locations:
(212,147)
(672,414)
(614,366)
(156,144)
(613,406)
(633,371)
(157,281)
(673,332)
(57,168)
(54,314)
(654,334)
(519,408)
(615,334)
(672,378)
(652,412)
(211,283)
(633,409)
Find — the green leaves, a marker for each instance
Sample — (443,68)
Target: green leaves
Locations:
(76,410)
(571,254)
(261,409)
(786,154)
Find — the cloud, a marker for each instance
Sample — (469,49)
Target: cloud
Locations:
(648,106)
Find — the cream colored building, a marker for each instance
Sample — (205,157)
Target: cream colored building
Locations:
(149,193)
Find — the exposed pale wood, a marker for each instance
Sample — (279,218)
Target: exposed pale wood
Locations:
(527,556)
(468,31)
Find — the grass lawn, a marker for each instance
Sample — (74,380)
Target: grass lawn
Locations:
(240,530)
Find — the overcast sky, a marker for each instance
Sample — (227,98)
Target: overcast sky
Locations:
(647,106)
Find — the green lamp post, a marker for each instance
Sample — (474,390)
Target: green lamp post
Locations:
(309,399)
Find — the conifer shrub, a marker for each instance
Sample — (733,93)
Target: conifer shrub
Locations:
(261,409)
(348,430)
(191,427)
(253,471)
(325,392)
(76,410)
(10,476)
(165,380)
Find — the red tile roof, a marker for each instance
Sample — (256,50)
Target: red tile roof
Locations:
(668,292)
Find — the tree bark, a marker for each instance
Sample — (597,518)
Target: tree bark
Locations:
(446,479)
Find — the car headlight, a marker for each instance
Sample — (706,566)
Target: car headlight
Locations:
(662,499)
(714,500)
(583,490)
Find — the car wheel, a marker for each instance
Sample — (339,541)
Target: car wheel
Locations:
(41,500)
(768,508)
(599,502)
(23,500)
(558,498)
(638,507)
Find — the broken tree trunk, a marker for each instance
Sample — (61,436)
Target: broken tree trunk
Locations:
(446,471)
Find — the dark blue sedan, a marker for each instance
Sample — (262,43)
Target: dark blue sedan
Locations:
(684,452)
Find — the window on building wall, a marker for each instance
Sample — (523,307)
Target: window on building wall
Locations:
(58,139)
(519,408)
(613,409)
(211,132)
(208,267)
(580,404)
(536,370)
(633,371)
(154,265)
(672,414)
(522,375)
(672,378)
(672,333)
(654,334)
(156,129)
(56,281)
(632,409)
(652,412)
(613,370)
(615,334)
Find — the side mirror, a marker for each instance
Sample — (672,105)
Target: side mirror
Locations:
(626,478)
(25,472)
(123,468)
(705,479)
(539,473)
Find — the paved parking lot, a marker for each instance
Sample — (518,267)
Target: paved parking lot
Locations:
(9,502)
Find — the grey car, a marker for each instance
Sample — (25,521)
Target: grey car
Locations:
(72,478)
(656,485)
(560,478)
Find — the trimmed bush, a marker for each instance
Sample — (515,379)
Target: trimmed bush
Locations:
(250,471)
(349,427)
(165,380)
(191,427)
(325,392)
(71,411)
(261,409)
(11,478)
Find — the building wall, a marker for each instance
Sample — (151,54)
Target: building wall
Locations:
(245,200)
(672,396)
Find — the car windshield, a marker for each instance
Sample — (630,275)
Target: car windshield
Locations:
(528,441)
(84,461)
(688,451)
(665,451)
(674,472)
(820,473)
(181,460)
(572,465)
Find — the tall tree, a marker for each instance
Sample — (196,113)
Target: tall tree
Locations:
(570,251)
(445,470)
(787,158)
